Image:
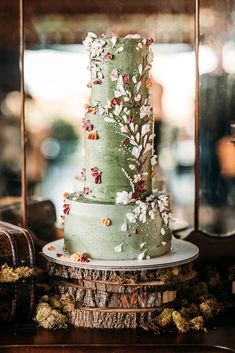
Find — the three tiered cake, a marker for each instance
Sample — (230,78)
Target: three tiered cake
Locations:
(117,217)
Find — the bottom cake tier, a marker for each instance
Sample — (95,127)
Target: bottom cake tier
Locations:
(113,231)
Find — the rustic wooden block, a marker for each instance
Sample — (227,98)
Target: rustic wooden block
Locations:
(111,318)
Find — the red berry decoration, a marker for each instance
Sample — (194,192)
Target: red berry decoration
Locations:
(96,173)
(126,79)
(115,101)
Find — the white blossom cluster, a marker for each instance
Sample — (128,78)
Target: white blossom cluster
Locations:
(146,209)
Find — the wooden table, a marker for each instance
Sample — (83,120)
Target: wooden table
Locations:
(27,339)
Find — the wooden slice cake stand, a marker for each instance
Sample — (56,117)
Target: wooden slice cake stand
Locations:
(120,294)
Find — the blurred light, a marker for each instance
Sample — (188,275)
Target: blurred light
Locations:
(184,152)
(229,57)
(166,159)
(11,104)
(50,148)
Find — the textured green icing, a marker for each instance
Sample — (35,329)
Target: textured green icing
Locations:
(108,153)
(85,232)
(126,62)
(111,156)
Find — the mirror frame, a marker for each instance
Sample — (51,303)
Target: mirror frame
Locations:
(211,248)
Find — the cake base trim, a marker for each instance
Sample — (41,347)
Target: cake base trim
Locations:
(181,253)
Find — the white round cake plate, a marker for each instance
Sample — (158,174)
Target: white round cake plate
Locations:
(181,253)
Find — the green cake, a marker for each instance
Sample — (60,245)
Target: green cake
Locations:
(117,217)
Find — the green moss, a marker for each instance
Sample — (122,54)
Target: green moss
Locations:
(180,322)
(210,308)
(165,318)
(197,324)
(49,318)
(10,274)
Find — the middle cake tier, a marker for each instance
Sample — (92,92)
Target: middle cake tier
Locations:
(109,162)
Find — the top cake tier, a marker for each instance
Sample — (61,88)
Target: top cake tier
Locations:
(110,57)
(120,117)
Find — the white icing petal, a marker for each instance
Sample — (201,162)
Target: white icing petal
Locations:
(113,40)
(138,86)
(137,98)
(125,118)
(109,120)
(143,218)
(140,68)
(163,243)
(119,50)
(132,127)
(145,129)
(133,142)
(117,94)
(142,255)
(142,245)
(137,137)
(123,128)
(134,79)
(131,217)
(124,227)
(163,231)
(136,151)
(132,166)
(148,147)
(132,36)
(147,67)
(154,159)
(114,75)
(118,248)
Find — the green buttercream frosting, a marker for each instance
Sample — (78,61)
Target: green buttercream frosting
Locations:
(117,217)
(119,71)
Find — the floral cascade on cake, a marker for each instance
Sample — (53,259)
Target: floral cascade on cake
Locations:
(116,216)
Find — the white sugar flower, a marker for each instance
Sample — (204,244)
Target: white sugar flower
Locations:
(143,206)
(165,218)
(145,110)
(163,231)
(151,214)
(124,197)
(143,218)
(161,205)
(113,40)
(131,217)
